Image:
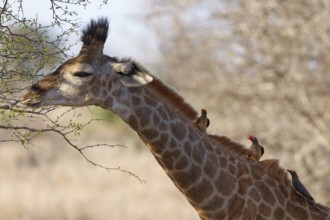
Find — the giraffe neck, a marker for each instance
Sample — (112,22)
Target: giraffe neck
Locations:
(165,124)
(211,171)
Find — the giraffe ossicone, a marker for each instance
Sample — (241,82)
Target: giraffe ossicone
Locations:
(211,171)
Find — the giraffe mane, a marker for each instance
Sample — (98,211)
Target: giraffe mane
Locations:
(273,168)
(236,149)
(95,30)
(270,166)
(173,100)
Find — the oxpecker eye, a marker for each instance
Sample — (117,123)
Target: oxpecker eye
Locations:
(82,74)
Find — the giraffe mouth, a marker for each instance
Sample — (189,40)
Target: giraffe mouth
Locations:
(31,100)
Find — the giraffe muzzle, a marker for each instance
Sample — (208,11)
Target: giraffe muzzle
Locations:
(31,99)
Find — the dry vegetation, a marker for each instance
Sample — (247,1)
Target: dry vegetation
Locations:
(259,68)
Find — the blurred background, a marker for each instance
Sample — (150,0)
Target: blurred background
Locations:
(259,68)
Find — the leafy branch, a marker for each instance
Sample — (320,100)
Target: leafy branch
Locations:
(29,49)
(24,135)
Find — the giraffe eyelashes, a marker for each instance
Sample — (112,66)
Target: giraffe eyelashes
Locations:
(82,74)
(78,69)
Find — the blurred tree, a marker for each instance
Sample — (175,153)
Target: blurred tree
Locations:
(265,65)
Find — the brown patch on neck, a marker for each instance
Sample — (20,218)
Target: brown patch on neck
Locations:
(172,99)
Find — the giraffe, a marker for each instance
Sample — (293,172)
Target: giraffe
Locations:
(211,171)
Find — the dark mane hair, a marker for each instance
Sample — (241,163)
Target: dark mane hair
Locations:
(170,97)
(97,30)
(273,168)
(236,149)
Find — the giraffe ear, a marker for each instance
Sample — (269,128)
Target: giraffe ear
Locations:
(131,74)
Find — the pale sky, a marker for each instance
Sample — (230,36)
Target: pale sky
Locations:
(128,37)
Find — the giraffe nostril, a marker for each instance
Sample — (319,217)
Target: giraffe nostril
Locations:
(36,88)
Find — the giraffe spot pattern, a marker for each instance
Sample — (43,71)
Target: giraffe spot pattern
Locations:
(162,113)
(109,85)
(215,203)
(144,115)
(109,101)
(235,207)
(225,183)
(150,102)
(244,183)
(95,91)
(268,195)
(181,163)
(295,211)
(253,193)
(264,209)
(232,168)
(210,166)
(179,131)
(198,154)
(132,122)
(185,178)
(223,162)
(188,148)
(155,120)
(250,210)
(159,143)
(201,191)
(167,159)
(163,126)
(279,213)
(150,134)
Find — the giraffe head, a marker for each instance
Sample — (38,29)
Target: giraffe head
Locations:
(87,78)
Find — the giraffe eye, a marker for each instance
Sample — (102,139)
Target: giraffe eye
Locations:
(82,74)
